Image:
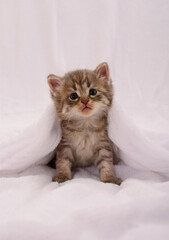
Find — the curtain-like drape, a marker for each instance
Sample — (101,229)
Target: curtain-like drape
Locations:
(43,37)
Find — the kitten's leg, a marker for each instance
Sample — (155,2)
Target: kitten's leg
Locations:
(106,167)
(116,158)
(63,166)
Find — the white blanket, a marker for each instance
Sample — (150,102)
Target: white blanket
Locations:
(42,37)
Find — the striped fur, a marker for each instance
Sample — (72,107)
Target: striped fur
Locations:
(84,124)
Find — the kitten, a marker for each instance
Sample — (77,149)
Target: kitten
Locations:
(82,99)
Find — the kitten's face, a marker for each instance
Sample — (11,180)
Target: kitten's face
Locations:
(81,94)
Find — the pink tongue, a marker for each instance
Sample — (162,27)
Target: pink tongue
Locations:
(85,108)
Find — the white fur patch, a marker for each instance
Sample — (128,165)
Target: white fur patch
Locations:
(84,144)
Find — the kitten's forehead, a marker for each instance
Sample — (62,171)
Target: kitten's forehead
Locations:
(80,79)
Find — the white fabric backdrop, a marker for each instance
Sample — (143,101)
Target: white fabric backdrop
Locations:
(39,37)
(42,37)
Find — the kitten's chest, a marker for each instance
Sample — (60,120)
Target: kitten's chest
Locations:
(84,145)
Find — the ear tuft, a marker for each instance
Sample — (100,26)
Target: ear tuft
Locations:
(54,83)
(103,70)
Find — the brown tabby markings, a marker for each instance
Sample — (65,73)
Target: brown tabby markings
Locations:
(85,139)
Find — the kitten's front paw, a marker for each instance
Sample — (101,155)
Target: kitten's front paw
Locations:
(61,179)
(117,181)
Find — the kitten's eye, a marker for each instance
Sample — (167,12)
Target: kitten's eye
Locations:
(73,96)
(93,92)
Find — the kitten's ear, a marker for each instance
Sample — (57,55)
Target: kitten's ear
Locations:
(55,83)
(103,70)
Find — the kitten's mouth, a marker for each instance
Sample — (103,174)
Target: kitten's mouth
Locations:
(86,108)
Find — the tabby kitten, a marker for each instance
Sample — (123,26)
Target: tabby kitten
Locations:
(83,99)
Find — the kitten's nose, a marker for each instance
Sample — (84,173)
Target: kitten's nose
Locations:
(84,101)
